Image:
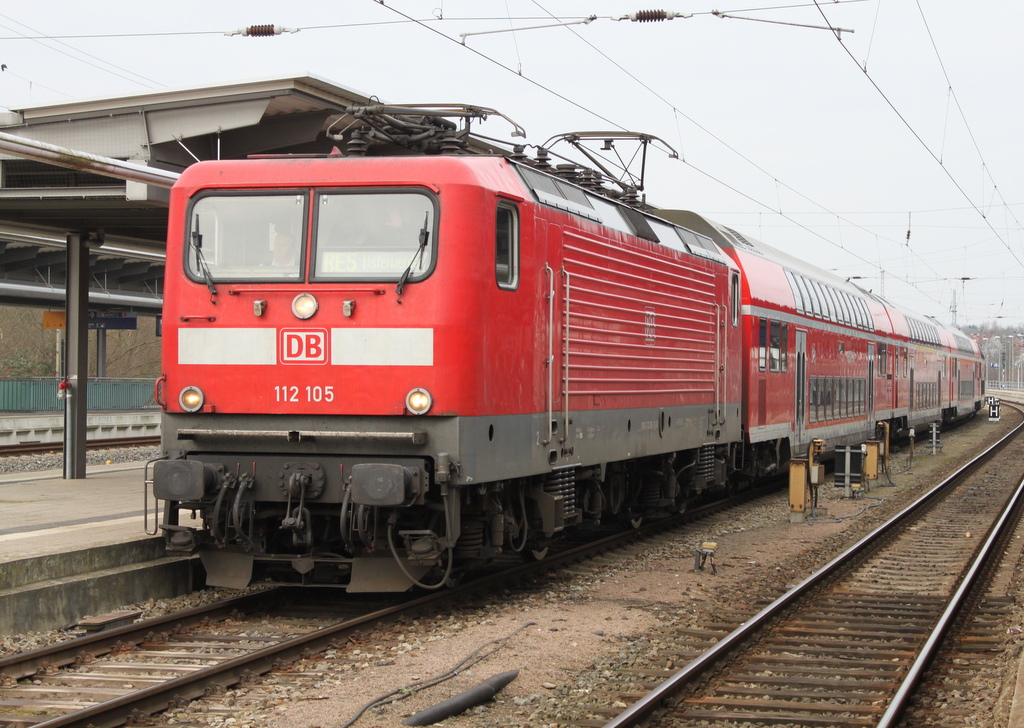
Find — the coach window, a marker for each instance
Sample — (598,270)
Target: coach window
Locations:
(775,346)
(833,297)
(762,351)
(805,294)
(506,252)
(844,301)
(904,362)
(882,356)
(820,310)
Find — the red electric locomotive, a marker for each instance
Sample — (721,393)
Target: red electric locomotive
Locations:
(382,370)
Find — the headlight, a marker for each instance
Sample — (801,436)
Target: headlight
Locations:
(304,305)
(191,399)
(418,401)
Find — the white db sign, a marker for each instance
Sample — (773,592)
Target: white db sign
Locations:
(304,346)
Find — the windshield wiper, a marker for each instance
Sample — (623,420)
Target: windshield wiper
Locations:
(197,245)
(424,237)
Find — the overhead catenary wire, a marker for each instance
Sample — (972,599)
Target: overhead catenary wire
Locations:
(40,38)
(724,143)
(735,151)
(922,142)
(790,217)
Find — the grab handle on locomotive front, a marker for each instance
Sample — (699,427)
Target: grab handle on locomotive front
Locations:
(147,484)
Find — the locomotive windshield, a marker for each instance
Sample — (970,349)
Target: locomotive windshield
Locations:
(377,236)
(246,237)
(358,235)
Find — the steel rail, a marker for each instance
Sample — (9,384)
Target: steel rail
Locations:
(101,444)
(898,704)
(26,664)
(656,699)
(116,711)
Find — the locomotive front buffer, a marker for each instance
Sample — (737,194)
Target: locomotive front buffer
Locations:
(235,535)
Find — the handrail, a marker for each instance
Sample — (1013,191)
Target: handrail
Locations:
(551,352)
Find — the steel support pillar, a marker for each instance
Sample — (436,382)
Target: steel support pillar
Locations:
(76,366)
(101,353)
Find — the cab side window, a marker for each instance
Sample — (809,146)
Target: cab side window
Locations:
(506,250)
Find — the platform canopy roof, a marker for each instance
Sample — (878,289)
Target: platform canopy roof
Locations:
(168,129)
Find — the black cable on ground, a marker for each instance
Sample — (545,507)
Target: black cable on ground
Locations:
(406,691)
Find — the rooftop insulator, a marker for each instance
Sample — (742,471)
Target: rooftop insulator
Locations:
(451,143)
(630,196)
(591,179)
(518,153)
(570,172)
(357,145)
(543,159)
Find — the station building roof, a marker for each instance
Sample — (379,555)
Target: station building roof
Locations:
(166,129)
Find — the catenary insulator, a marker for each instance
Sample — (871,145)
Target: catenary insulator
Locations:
(652,16)
(259,30)
(263,30)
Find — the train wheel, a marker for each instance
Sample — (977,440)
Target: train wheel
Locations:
(454,579)
(536,550)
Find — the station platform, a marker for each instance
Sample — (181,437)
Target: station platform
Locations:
(24,428)
(43,513)
(75,548)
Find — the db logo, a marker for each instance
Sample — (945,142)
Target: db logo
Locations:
(304,346)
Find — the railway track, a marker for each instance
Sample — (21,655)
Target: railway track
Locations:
(38,448)
(849,645)
(125,674)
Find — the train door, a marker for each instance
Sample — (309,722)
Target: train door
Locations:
(800,385)
(871,385)
(911,392)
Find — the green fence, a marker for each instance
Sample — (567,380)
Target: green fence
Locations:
(40,395)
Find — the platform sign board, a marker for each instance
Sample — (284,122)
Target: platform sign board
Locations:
(123,320)
(53,320)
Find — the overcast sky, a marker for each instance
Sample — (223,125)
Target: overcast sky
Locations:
(831,150)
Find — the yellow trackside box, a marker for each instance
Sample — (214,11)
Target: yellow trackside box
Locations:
(815,469)
(874,448)
(798,490)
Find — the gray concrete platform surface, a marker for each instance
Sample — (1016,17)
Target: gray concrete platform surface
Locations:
(74,548)
(19,429)
(41,513)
